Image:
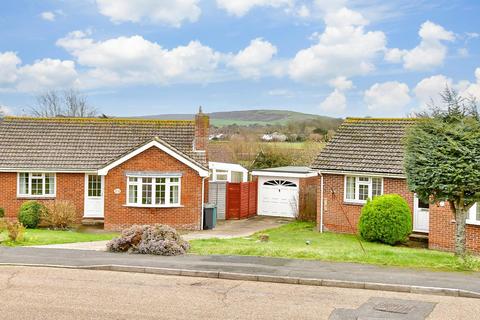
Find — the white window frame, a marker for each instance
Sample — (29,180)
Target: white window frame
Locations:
(357,184)
(472,215)
(139,183)
(29,194)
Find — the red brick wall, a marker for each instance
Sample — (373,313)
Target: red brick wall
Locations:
(442,230)
(117,215)
(343,217)
(338,214)
(70,186)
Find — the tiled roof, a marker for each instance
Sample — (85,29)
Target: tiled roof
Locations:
(87,143)
(366,145)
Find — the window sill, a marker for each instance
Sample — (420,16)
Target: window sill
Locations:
(152,207)
(36,197)
(355,203)
(473,222)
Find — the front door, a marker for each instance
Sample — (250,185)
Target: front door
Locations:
(93,196)
(421,215)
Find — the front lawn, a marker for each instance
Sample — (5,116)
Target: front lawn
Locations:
(35,237)
(288,241)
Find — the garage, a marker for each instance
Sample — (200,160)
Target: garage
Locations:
(280,190)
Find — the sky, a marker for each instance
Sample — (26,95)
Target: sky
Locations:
(337,58)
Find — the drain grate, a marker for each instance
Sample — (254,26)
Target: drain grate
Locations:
(393,308)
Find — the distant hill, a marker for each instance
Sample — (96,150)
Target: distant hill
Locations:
(254,117)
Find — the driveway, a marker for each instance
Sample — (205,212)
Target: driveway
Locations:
(224,229)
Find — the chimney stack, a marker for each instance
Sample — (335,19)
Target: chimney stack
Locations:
(202,126)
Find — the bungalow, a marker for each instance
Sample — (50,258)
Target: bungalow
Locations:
(118,171)
(365,159)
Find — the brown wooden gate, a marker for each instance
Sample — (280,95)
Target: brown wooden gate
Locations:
(241,200)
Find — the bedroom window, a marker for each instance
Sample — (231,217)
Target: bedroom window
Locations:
(358,188)
(151,191)
(36,184)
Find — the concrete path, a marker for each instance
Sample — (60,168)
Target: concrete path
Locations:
(48,293)
(225,229)
(254,268)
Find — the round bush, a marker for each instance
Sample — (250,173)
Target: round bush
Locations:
(2,213)
(29,214)
(386,219)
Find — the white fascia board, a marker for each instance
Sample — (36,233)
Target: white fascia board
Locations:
(202,172)
(362,174)
(283,174)
(48,170)
(226,166)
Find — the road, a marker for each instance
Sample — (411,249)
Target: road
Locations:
(49,293)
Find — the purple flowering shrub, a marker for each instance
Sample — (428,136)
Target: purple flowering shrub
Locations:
(147,239)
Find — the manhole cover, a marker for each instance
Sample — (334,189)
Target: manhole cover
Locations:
(393,308)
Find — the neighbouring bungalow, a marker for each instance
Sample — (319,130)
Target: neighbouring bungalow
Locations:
(118,171)
(364,160)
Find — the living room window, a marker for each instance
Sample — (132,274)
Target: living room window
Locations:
(153,191)
(36,184)
(360,188)
(474,214)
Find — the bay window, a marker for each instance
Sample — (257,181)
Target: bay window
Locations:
(36,184)
(359,188)
(153,191)
(474,214)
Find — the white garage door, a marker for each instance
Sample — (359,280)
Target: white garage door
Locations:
(278,197)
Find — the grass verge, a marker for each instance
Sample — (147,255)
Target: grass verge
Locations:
(35,237)
(289,241)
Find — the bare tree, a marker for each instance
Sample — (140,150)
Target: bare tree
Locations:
(67,103)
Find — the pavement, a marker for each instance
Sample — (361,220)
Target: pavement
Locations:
(263,269)
(49,293)
(225,229)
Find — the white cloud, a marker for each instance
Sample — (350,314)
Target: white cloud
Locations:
(335,102)
(395,55)
(42,74)
(429,89)
(387,96)
(8,66)
(286,93)
(467,89)
(137,60)
(341,83)
(48,15)
(4,111)
(343,49)
(241,7)
(170,12)
(303,11)
(430,53)
(255,60)
(47,73)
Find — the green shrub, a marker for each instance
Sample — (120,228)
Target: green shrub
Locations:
(386,219)
(2,213)
(29,214)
